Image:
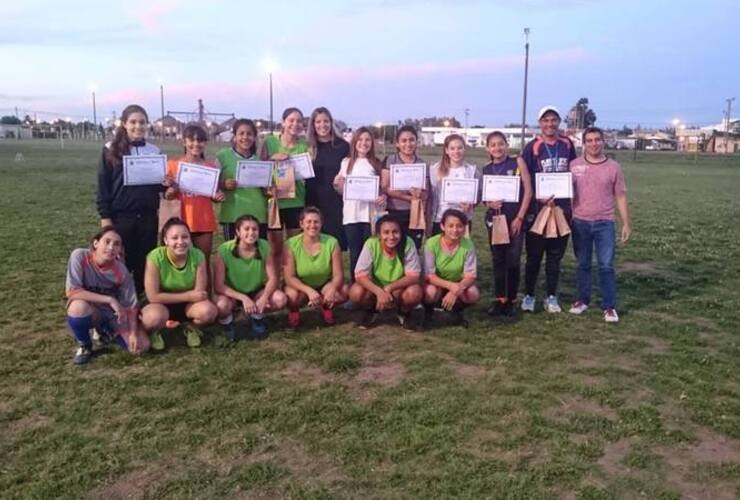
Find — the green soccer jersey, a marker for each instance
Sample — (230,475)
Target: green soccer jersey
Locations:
(273,145)
(242,200)
(450,265)
(245,275)
(174,279)
(385,269)
(313,270)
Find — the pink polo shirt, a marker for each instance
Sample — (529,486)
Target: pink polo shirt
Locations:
(595,188)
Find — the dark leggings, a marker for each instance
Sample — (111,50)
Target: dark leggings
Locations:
(139,234)
(357,233)
(537,247)
(506,267)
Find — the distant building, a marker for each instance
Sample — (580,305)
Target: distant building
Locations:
(720,142)
(169,125)
(475,137)
(691,140)
(14,131)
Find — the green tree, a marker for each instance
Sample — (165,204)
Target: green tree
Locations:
(10,120)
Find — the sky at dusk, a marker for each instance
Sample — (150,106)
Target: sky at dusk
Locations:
(374,60)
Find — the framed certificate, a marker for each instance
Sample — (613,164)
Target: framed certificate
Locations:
(253,173)
(501,188)
(405,176)
(197,179)
(460,191)
(302,166)
(557,184)
(144,169)
(360,188)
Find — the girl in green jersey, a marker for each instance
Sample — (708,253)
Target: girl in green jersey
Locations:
(244,276)
(176,285)
(312,269)
(387,273)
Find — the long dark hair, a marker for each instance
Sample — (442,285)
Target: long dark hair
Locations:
(244,122)
(120,145)
(99,235)
(312,138)
(374,161)
(238,224)
(195,132)
(401,246)
(171,222)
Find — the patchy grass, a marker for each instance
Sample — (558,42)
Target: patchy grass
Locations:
(539,407)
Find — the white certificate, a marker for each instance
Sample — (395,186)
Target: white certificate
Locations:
(197,179)
(302,166)
(557,184)
(501,188)
(407,176)
(460,191)
(359,188)
(253,173)
(144,169)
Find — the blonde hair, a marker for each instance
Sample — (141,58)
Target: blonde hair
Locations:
(444,164)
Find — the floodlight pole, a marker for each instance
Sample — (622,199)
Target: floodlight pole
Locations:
(727,124)
(526,75)
(95,117)
(272,123)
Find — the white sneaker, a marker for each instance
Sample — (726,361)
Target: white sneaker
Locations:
(578,307)
(551,304)
(611,316)
(528,303)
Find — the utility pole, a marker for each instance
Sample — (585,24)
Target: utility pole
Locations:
(526,75)
(272,126)
(727,124)
(467,113)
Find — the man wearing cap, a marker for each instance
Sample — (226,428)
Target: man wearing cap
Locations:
(548,152)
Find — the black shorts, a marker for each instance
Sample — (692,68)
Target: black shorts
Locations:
(177,311)
(290,218)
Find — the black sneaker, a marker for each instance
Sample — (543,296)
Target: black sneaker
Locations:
(458,319)
(497,308)
(368,319)
(404,319)
(82,355)
(426,323)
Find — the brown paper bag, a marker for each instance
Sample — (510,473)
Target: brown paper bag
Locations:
(167,210)
(541,221)
(417,217)
(551,229)
(273,214)
(562,224)
(499,230)
(285,182)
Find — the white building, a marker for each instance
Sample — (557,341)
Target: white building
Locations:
(475,137)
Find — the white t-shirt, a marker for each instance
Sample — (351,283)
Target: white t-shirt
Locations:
(358,211)
(465,171)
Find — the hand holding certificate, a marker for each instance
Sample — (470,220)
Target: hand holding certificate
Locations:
(251,173)
(144,169)
(501,188)
(302,166)
(197,179)
(556,185)
(405,177)
(359,188)
(460,191)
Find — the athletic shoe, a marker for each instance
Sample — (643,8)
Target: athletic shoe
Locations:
(528,303)
(551,304)
(368,319)
(156,340)
(403,320)
(611,316)
(294,319)
(428,315)
(458,319)
(578,307)
(82,355)
(230,331)
(259,327)
(193,335)
(328,316)
(509,309)
(498,308)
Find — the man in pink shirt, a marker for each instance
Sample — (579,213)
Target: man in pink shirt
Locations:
(598,185)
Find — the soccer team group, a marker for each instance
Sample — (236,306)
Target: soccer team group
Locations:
(135,284)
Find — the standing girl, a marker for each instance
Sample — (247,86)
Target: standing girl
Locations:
(327,151)
(244,276)
(176,286)
(312,268)
(101,294)
(387,273)
(506,257)
(450,266)
(358,216)
(240,200)
(131,209)
(196,210)
(399,202)
(451,165)
(278,148)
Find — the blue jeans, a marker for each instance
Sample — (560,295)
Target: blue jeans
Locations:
(588,235)
(357,233)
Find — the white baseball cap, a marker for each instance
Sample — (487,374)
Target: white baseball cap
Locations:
(547,109)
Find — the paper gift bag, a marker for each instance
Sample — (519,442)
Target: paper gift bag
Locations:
(273,214)
(417,217)
(499,230)
(168,209)
(551,229)
(285,182)
(541,221)
(562,224)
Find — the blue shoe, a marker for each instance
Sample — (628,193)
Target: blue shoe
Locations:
(551,304)
(82,356)
(528,303)
(259,327)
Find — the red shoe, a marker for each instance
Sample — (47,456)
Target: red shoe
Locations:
(294,319)
(328,316)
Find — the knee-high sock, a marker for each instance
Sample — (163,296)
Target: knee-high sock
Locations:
(80,328)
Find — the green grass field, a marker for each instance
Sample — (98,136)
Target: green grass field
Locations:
(541,407)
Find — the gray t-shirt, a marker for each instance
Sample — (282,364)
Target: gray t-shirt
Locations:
(113,280)
(395,203)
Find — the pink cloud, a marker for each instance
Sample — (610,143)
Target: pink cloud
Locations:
(151,13)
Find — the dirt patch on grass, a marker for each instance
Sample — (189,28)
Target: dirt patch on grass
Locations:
(658,345)
(573,405)
(389,375)
(469,372)
(133,484)
(638,268)
(302,373)
(614,453)
(27,423)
